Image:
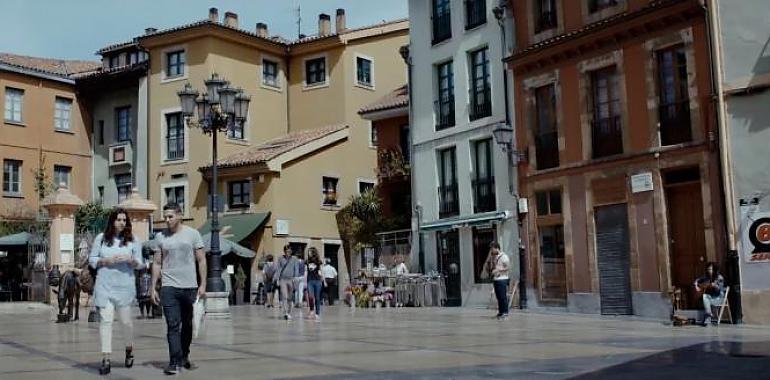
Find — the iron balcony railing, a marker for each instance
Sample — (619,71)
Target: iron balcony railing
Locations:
(175,147)
(449,204)
(475,13)
(484,195)
(445,112)
(547,150)
(481,103)
(675,122)
(607,136)
(442,27)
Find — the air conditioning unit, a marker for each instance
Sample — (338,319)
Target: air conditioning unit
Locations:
(121,154)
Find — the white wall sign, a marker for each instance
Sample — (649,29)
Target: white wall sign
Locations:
(641,182)
(231,269)
(281,227)
(66,242)
(66,257)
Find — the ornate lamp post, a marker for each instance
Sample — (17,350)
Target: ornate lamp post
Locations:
(220,109)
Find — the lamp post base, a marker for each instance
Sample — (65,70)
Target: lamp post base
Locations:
(217,305)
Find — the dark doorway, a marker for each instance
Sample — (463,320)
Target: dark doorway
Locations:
(482,236)
(331,252)
(612,251)
(449,265)
(553,274)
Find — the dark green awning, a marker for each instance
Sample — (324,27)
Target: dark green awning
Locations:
(22,238)
(240,225)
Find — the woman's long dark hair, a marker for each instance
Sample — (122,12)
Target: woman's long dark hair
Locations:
(715,272)
(125,236)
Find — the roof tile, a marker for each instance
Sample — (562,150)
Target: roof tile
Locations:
(397,98)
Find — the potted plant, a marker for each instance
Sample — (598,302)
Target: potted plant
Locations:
(240,284)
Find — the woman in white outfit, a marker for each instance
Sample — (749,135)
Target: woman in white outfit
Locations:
(115,254)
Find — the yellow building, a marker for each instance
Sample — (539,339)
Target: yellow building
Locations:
(305,95)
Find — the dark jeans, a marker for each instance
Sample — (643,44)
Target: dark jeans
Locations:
(314,290)
(501,293)
(178,309)
(331,290)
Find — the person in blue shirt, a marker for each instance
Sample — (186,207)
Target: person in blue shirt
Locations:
(115,255)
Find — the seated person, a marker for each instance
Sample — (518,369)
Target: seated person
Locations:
(712,284)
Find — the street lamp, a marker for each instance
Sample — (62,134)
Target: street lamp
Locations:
(221,109)
(503,135)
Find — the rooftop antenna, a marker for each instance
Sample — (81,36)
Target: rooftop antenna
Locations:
(299,20)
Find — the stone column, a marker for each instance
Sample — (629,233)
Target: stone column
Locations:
(139,211)
(61,206)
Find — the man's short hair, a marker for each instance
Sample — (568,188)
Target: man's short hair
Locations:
(494,245)
(287,246)
(173,206)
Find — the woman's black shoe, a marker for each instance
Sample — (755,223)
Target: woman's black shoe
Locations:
(129,357)
(105,368)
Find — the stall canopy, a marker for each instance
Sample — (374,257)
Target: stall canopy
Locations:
(239,226)
(15,240)
(227,246)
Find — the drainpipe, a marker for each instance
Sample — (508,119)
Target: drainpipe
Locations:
(725,152)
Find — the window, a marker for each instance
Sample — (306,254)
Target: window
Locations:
(330,191)
(545,15)
(175,61)
(475,13)
(315,71)
(674,102)
(61,175)
(445,105)
(364,186)
(484,183)
(270,73)
(480,96)
(12,177)
(123,122)
(101,132)
(372,135)
(449,204)
(114,61)
(13,104)
(481,239)
(62,114)
(238,193)
(236,132)
(133,58)
(364,71)
(546,135)
(100,196)
(123,184)
(442,21)
(598,5)
(174,136)
(606,128)
(175,194)
(548,202)
(403,141)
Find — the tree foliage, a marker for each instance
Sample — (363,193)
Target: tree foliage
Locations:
(91,217)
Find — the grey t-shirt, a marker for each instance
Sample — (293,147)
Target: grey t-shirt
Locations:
(178,249)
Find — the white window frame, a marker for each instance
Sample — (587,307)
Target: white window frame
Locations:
(372,143)
(279,74)
(68,175)
(337,190)
(164,78)
(361,180)
(357,83)
(163,130)
(59,118)
(9,100)
(325,83)
(186,186)
(12,193)
(244,141)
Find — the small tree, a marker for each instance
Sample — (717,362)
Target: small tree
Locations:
(91,217)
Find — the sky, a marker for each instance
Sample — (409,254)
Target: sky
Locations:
(76,29)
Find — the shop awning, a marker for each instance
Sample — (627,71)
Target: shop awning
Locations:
(465,221)
(239,226)
(227,246)
(22,238)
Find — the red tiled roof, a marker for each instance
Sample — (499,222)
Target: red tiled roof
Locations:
(275,147)
(115,47)
(396,99)
(315,37)
(59,67)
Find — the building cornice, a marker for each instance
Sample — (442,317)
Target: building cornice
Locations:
(34,73)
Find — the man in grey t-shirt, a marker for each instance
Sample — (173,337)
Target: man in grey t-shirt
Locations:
(177,250)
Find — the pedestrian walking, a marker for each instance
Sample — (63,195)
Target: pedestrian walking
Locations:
(287,272)
(143,290)
(330,280)
(300,280)
(269,279)
(179,247)
(115,255)
(498,265)
(315,282)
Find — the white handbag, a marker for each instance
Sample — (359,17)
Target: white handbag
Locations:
(199,311)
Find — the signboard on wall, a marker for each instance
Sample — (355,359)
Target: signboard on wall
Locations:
(66,242)
(756,238)
(281,227)
(641,182)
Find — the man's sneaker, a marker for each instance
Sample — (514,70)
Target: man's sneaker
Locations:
(172,369)
(187,364)
(707,321)
(317,318)
(287,317)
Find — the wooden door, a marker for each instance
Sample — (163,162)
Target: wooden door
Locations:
(687,245)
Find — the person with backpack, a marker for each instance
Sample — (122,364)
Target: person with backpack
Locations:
(269,280)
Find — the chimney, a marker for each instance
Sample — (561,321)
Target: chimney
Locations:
(261,30)
(340,27)
(231,19)
(324,24)
(150,30)
(213,15)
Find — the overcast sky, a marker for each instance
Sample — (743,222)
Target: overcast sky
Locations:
(75,29)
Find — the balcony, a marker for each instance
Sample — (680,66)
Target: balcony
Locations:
(675,122)
(445,112)
(174,148)
(392,165)
(547,150)
(121,153)
(442,27)
(546,20)
(449,204)
(475,13)
(481,104)
(484,195)
(607,136)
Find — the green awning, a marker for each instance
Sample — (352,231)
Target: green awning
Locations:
(22,238)
(240,225)
(465,221)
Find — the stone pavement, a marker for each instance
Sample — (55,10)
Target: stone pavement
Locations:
(429,343)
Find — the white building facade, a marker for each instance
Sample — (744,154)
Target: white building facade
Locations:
(463,182)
